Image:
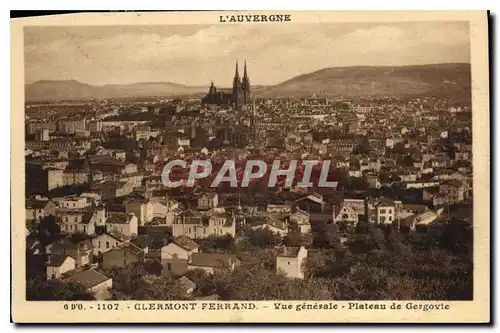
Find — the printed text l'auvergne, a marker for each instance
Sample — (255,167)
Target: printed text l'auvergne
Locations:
(251,18)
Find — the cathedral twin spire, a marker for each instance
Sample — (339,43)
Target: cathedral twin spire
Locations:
(241,88)
(245,74)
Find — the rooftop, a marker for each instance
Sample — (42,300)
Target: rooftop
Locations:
(89,278)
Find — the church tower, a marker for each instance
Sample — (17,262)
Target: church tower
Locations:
(246,86)
(237,88)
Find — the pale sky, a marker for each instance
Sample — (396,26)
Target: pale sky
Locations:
(198,54)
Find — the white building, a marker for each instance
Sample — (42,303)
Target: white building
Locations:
(142,208)
(180,248)
(290,261)
(125,224)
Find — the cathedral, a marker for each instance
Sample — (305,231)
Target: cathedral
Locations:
(236,98)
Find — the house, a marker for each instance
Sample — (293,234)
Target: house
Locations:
(174,267)
(405,219)
(311,203)
(426,218)
(122,256)
(209,261)
(358,205)
(39,207)
(385,211)
(208,201)
(194,225)
(289,260)
(108,241)
(78,249)
(166,209)
(414,209)
(278,208)
(74,201)
(143,242)
(345,215)
(181,247)
(78,221)
(274,224)
(59,264)
(372,180)
(421,184)
(302,219)
(453,190)
(94,282)
(142,209)
(110,189)
(125,224)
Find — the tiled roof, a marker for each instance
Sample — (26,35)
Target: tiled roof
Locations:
(56,260)
(89,278)
(185,242)
(211,259)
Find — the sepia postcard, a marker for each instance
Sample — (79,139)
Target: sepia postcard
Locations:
(251,167)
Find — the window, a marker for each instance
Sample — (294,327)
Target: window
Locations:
(84,229)
(345,216)
(382,211)
(124,262)
(382,219)
(288,263)
(98,243)
(107,245)
(390,218)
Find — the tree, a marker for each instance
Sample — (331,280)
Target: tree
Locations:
(126,279)
(215,243)
(152,287)
(263,237)
(204,282)
(326,235)
(363,147)
(56,290)
(294,237)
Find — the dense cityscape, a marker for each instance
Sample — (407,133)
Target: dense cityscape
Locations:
(101,224)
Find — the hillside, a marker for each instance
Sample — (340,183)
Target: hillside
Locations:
(452,80)
(74,90)
(437,80)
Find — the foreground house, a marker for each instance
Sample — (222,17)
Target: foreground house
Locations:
(108,241)
(181,247)
(80,250)
(94,282)
(122,256)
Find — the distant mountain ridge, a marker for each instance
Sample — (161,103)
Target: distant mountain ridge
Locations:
(75,90)
(434,80)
